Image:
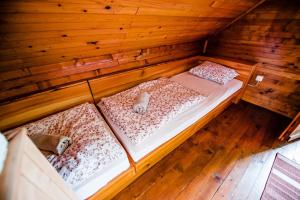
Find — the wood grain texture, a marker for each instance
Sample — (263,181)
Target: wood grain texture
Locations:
(115,186)
(270,36)
(108,85)
(230,158)
(285,135)
(21,82)
(44,43)
(40,105)
(28,174)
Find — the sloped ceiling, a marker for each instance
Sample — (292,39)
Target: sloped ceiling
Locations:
(35,32)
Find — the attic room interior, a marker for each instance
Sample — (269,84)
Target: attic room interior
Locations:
(150,99)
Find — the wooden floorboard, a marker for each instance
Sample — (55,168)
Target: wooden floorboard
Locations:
(230,158)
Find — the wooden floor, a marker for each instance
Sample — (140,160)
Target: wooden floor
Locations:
(228,159)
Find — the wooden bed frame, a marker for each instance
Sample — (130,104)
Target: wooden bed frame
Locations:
(40,105)
(100,87)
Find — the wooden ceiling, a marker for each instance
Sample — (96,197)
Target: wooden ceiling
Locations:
(35,32)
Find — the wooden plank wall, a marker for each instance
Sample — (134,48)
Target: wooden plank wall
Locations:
(52,42)
(33,79)
(269,35)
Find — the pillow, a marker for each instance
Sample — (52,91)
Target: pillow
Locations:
(214,72)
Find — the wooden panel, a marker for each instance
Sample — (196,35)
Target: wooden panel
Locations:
(291,129)
(279,91)
(56,35)
(270,36)
(109,85)
(28,175)
(115,186)
(20,82)
(40,105)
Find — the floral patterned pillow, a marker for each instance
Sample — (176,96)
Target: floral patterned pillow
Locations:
(214,72)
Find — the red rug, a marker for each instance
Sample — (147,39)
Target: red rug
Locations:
(284,180)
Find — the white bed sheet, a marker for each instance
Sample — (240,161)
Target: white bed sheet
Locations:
(95,183)
(215,93)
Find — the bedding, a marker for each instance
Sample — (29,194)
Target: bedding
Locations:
(215,94)
(214,72)
(168,99)
(95,155)
(56,144)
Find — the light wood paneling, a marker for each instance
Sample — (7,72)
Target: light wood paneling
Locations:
(20,82)
(109,85)
(270,36)
(55,35)
(115,186)
(40,105)
(27,174)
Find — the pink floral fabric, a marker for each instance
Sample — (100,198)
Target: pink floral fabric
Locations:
(93,145)
(214,72)
(167,100)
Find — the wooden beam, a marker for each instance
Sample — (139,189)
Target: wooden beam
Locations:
(291,127)
(205,46)
(239,17)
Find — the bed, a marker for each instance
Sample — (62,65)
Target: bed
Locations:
(214,93)
(70,110)
(95,156)
(115,83)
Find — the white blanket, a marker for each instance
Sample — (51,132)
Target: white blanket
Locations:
(93,147)
(168,99)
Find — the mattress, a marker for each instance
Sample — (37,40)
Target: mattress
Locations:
(95,156)
(161,108)
(99,180)
(215,94)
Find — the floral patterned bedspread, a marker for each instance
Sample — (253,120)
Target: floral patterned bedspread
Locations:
(168,99)
(93,146)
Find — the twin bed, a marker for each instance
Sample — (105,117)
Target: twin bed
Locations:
(213,93)
(95,156)
(98,154)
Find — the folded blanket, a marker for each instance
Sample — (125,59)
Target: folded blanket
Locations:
(51,143)
(141,103)
(168,100)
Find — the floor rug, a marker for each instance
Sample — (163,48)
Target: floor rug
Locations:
(284,180)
